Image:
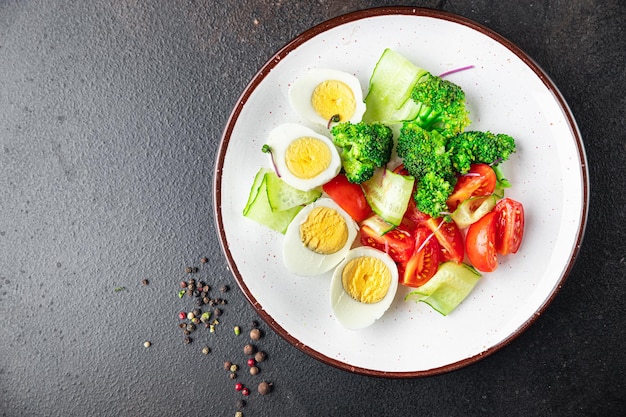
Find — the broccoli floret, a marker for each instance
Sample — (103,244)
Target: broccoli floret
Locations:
(423,151)
(442,105)
(364,147)
(432,193)
(479,147)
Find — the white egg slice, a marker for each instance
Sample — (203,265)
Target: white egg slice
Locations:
(303,158)
(321,94)
(318,238)
(369,271)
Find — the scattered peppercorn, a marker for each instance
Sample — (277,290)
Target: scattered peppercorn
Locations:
(254,324)
(188,270)
(241,403)
(182,315)
(254,370)
(227,365)
(234,368)
(188,340)
(233,375)
(183,284)
(237,330)
(147,344)
(217,312)
(204,259)
(265,388)
(255,334)
(145,281)
(260,356)
(251,362)
(238,386)
(245,391)
(206,350)
(249,349)
(238,414)
(224,288)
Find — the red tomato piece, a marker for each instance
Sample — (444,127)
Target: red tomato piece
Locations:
(480,180)
(423,264)
(449,237)
(480,243)
(397,243)
(348,196)
(509,225)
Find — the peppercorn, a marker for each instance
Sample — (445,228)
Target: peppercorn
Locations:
(183,284)
(255,334)
(260,356)
(249,349)
(188,270)
(217,312)
(238,386)
(227,365)
(234,368)
(191,282)
(205,300)
(147,344)
(182,315)
(251,362)
(254,324)
(238,414)
(197,311)
(224,288)
(145,281)
(237,330)
(265,388)
(204,259)
(206,350)
(254,370)
(241,403)
(188,340)
(182,325)
(232,375)
(245,391)
(191,327)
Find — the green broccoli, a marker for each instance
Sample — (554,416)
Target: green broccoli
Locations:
(441,105)
(479,147)
(364,147)
(435,161)
(423,151)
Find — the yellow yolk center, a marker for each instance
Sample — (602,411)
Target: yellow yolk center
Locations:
(324,231)
(307,157)
(331,98)
(366,279)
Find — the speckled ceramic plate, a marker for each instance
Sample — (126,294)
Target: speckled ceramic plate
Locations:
(506,92)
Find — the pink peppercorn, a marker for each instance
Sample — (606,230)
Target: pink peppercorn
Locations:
(251,362)
(245,391)
(182,315)
(239,386)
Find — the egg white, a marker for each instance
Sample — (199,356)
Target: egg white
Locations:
(299,259)
(350,313)
(302,89)
(281,137)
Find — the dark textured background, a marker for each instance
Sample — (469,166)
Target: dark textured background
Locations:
(110,118)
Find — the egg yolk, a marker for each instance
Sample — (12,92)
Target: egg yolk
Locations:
(331,98)
(366,279)
(324,231)
(307,157)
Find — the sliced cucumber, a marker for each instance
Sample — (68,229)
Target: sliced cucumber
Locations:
(388,194)
(473,209)
(448,288)
(378,224)
(283,196)
(389,97)
(258,207)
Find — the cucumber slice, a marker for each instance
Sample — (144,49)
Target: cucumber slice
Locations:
(283,196)
(447,288)
(258,207)
(473,209)
(389,96)
(378,224)
(388,194)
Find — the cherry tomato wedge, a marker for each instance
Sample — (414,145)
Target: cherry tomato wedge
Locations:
(480,243)
(349,197)
(509,226)
(423,264)
(397,243)
(480,180)
(449,237)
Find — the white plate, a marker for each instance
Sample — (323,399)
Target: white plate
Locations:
(506,92)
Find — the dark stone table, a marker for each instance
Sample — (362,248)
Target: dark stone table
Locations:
(111,113)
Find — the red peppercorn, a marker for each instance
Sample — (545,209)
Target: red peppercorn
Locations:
(239,386)
(182,315)
(245,391)
(251,362)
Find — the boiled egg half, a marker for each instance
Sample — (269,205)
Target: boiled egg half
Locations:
(322,95)
(363,287)
(303,158)
(318,238)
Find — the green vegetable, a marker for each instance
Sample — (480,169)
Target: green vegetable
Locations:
(377,224)
(441,106)
(389,96)
(447,288)
(479,147)
(283,196)
(473,209)
(258,207)
(388,194)
(435,160)
(364,147)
